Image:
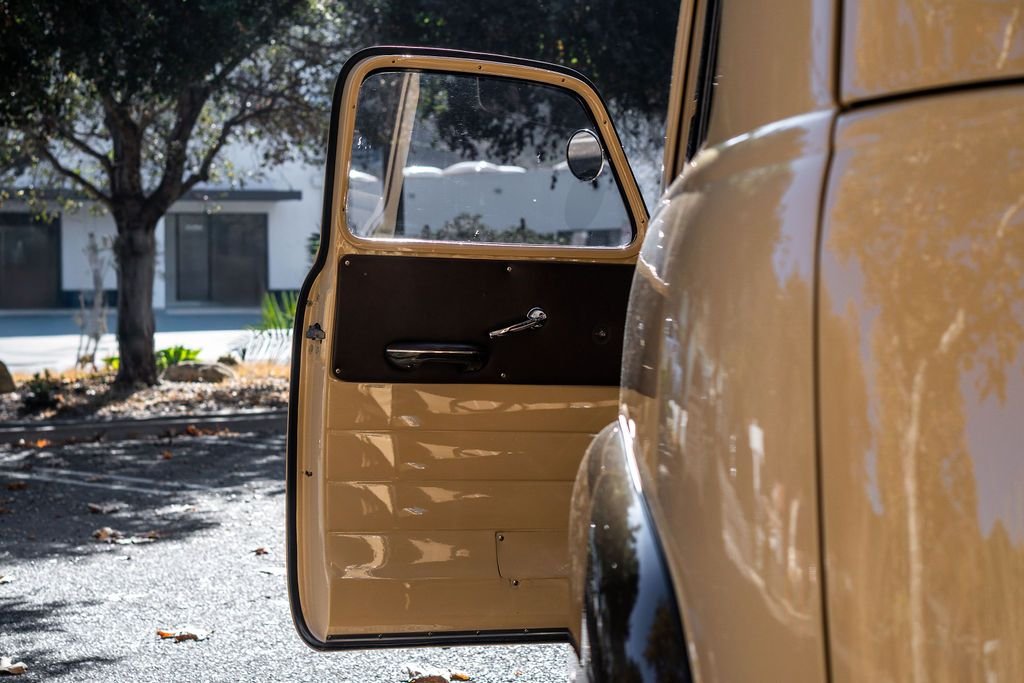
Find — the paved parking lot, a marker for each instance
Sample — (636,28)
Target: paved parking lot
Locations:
(78,609)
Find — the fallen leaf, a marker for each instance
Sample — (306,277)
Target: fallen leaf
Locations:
(104,508)
(6,578)
(17,485)
(166,455)
(5,511)
(184,633)
(107,535)
(41,443)
(460,675)
(12,668)
(418,673)
(261,551)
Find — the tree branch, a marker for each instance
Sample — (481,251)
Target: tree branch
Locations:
(218,78)
(188,108)
(229,125)
(82,146)
(72,175)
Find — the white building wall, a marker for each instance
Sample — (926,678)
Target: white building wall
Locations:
(290,224)
(74,237)
(160,279)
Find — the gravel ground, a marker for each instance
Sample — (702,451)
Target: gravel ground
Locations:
(81,610)
(92,397)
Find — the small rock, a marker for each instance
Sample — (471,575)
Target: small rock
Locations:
(6,578)
(6,381)
(191,371)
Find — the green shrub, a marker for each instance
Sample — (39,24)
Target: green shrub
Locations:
(313,245)
(164,358)
(273,334)
(174,355)
(42,392)
(277,311)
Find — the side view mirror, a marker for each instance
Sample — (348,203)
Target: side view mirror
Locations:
(585,155)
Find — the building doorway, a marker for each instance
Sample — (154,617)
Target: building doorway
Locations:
(220,258)
(29,261)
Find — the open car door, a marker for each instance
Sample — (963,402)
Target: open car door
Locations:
(457,345)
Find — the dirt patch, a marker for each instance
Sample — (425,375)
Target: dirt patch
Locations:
(83,396)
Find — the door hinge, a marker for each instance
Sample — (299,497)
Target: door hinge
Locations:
(315,332)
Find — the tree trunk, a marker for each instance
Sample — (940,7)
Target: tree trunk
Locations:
(136,264)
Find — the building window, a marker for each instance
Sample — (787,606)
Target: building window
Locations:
(218,258)
(29,261)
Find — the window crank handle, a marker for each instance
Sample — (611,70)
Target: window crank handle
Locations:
(534,319)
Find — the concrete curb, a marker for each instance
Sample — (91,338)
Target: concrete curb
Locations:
(266,421)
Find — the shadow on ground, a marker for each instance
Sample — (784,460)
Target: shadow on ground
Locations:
(53,499)
(32,619)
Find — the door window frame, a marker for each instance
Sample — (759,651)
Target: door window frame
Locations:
(448,61)
(692,83)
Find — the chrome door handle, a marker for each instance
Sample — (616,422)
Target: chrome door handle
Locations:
(535,318)
(413,355)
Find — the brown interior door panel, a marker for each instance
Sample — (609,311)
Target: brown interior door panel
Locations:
(451,306)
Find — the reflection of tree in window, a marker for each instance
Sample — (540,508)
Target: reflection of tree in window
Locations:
(469,228)
(502,120)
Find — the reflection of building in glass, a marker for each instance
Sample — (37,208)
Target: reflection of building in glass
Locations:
(462,157)
(502,203)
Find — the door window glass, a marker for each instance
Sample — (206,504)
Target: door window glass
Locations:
(467,158)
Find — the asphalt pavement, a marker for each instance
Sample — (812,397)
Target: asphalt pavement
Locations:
(80,609)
